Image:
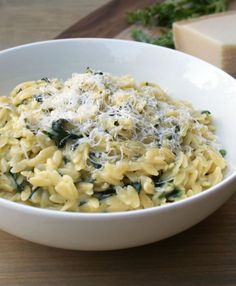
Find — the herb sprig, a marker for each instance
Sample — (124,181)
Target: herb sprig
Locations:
(165,40)
(166,13)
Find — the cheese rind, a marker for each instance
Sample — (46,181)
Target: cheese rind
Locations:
(211,38)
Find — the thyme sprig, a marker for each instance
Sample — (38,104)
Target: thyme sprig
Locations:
(164,14)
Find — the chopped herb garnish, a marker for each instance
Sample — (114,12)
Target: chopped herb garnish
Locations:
(157,181)
(104,194)
(74,146)
(81,203)
(45,79)
(136,185)
(38,98)
(99,73)
(89,70)
(59,134)
(65,160)
(170,196)
(93,160)
(177,128)
(96,165)
(18,187)
(206,112)
(19,90)
(223,152)
(34,191)
(24,101)
(173,195)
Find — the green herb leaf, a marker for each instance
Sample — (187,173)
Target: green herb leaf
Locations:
(164,14)
(104,194)
(65,160)
(177,129)
(165,40)
(20,90)
(171,196)
(18,187)
(136,185)
(94,159)
(59,133)
(45,79)
(223,152)
(38,98)
(34,191)
(81,203)
(157,181)
(206,112)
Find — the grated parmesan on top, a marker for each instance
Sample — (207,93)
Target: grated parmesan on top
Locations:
(104,108)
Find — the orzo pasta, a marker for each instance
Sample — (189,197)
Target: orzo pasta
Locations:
(101,143)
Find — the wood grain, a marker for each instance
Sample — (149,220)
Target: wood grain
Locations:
(205,255)
(25,21)
(105,22)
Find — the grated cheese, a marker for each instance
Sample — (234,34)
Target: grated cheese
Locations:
(104,108)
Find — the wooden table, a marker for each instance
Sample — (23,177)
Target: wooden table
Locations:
(204,255)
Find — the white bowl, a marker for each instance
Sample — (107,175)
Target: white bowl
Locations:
(183,77)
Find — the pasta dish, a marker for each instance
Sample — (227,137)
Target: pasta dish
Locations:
(103,143)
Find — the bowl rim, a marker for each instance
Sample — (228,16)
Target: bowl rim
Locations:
(34,210)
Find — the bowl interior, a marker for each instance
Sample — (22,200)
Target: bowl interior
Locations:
(182,76)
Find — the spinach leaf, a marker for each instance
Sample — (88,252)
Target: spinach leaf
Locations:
(45,79)
(65,160)
(81,203)
(34,191)
(157,181)
(18,91)
(177,129)
(38,98)
(59,133)
(18,187)
(171,196)
(206,112)
(223,152)
(136,185)
(105,194)
(93,160)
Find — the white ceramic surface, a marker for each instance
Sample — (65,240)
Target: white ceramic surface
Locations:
(183,77)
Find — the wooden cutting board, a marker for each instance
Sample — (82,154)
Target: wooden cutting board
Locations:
(204,255)
(109,21)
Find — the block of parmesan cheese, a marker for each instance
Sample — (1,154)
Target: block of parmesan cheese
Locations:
(211,38)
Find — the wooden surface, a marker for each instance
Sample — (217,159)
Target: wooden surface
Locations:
(204,255)
(25,21)
(107,22)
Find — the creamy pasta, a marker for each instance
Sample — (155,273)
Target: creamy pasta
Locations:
(101,143)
